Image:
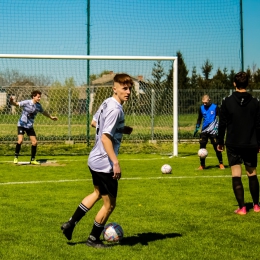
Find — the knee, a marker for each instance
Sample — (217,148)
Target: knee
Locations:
(34,143)
(96,193)
(111,207)
(203,144)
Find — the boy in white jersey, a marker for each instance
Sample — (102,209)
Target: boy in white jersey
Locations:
(25,123)
(103,162)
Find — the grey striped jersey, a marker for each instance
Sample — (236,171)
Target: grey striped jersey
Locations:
(110,120)
(29,113)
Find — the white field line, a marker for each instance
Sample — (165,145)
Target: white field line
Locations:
(134,178)
(121,159)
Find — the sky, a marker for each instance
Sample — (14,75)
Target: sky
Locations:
(200,29)
(251,23)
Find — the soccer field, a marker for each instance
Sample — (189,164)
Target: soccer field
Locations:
(184,215)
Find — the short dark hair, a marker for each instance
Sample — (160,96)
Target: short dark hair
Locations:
(241,80)
(35,93)
(123,79)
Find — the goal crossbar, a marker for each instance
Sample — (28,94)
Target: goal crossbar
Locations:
(101,57)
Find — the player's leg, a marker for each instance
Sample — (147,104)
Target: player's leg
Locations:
(213,140)
(203,143)
(19,143)
(235,162)
(31,133)
(86,204)
(108,189)
(250,161)
(100,221)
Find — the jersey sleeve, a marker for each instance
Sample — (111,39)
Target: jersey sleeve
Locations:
(111,123)
(23,103)
(257,123)
(222,122)
(199,117)
(41,110)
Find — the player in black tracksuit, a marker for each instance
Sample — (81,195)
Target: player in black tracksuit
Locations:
(240,117)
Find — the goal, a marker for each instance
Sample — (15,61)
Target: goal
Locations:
(73,87)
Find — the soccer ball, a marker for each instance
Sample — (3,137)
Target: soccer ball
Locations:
(202,153)
(166,168)
(113,232)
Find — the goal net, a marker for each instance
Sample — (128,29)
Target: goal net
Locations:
(73,93)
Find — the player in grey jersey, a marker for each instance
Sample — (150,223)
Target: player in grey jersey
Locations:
(25,123)
(103,162)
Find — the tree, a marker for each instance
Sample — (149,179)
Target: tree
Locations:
(206,69)
(183,79)
(60,96)
(220,79)
(194,78)
(157,73)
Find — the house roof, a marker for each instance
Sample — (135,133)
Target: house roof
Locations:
(106,78)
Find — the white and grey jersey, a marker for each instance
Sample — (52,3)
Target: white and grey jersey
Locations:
(212,128)
(109,120)
(30,110)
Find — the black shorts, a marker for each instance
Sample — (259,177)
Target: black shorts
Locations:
(248,156)
(29,131)
(204,139)
(107,185)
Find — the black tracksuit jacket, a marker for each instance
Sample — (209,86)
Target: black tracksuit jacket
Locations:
(240,117)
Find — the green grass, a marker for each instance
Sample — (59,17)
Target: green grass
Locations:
(48,130)
(184,215)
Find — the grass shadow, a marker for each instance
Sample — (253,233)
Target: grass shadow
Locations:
(145,238)
(215,166)
(141,238)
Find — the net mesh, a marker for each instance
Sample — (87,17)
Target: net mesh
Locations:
(199,30)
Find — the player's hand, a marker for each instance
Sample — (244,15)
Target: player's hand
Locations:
(11,100)
(54,118)
(127,130)
(220,147)
(117,171)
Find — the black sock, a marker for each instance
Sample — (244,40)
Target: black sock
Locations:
(202,161)
(96,231)
(17,150)
(33,152)
(238,191)
(78,214)
(254,188)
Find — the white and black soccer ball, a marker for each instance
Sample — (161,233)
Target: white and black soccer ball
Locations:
(113,232)
(202,153)
(166,169)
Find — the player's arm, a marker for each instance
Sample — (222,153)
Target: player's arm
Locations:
(54,118)
(222,126)
(200,116)
(197,127)
(106,140)
(93,123)
(127,130)
(217,111)
(258,126)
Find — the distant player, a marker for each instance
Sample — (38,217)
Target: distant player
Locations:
(240,117)
(208,112)
(103,162)
(25,123)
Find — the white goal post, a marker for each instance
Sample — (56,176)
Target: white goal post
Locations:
(101,57)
